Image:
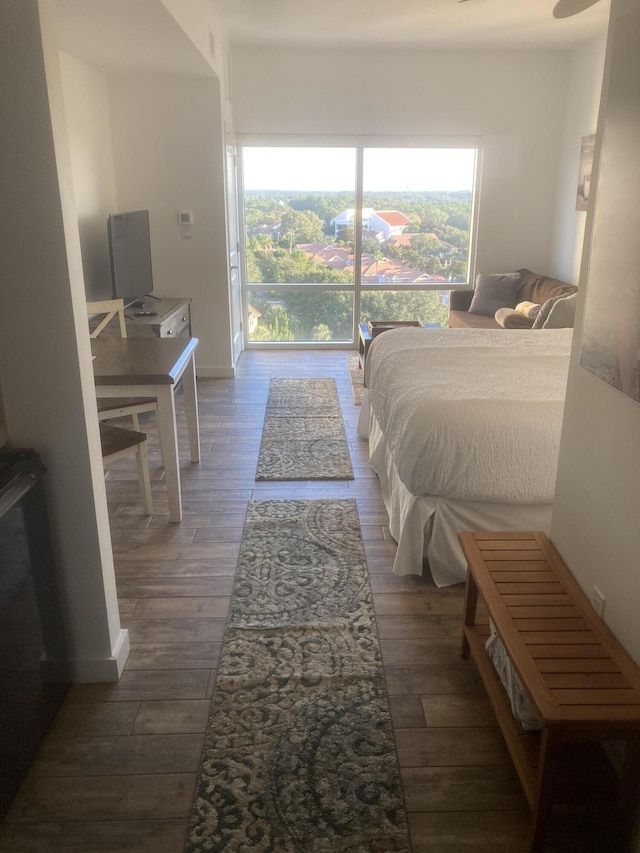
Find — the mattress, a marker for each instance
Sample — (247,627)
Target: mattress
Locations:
(426,527)
(471,415)
(464,430)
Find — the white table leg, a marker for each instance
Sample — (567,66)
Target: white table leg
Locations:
(169,439)
(191,408)
(142,461)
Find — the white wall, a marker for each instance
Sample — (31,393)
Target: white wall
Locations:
(57,171)
(515,100)
(581,118)
(597,507)
(155,141)
(196,19)
(89,133)
(45,356)
(169,156)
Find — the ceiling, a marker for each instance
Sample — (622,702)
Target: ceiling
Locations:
(125,35)
(409,24)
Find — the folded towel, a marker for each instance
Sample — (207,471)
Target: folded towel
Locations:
(509,318)
(529,309)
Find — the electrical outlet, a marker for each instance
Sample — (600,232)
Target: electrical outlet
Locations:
(597,601)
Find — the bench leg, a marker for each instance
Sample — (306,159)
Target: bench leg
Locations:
(631,792)
(544,799)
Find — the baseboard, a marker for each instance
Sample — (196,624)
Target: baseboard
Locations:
(103,669)
(215,372)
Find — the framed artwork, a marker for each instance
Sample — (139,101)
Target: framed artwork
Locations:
(610,346)
(584,171)
(610,339)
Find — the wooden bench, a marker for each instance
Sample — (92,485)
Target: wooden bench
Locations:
(583,685)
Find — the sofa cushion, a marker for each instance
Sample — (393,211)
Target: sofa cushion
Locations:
(464,320)
(562,314)
(494,291)
(539,288)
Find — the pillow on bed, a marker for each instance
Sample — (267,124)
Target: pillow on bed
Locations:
(494,291)
(562,314)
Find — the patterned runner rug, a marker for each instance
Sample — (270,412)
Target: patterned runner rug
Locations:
(299,755)
(303,435)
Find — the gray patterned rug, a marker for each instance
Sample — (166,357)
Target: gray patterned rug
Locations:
(299,755)
(303,435)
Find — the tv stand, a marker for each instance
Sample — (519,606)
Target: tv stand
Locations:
(141,302)
(171,318)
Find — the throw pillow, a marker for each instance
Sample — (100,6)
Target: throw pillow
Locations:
(494,291)
(562,314)
(544,312)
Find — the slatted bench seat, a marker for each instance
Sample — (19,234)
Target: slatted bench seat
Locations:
(583,685)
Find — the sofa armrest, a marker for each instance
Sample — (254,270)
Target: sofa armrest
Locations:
(460,300)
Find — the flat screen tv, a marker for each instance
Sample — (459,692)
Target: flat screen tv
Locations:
(130,255)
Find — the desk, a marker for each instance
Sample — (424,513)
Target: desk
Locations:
(171,320)
(153,367)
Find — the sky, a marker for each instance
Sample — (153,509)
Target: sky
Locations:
(333,169)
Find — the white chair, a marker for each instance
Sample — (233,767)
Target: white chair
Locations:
(109,308)
(117,407)
(117,443)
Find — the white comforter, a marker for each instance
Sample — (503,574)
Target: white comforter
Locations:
(472,414)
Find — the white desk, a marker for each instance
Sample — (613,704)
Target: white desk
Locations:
(153,367)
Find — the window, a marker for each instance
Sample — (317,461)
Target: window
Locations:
(340,235)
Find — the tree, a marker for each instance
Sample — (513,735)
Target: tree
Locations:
(321,332)
(347,235)
(300,226)
(254,273)
(378,255)
(316,311)
(369,245)
(424,306)
(273,325)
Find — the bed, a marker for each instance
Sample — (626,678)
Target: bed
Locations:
(464,434)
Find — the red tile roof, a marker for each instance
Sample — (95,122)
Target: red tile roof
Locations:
(393,217)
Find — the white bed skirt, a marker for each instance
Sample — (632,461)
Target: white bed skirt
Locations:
(363,417)
(428,526)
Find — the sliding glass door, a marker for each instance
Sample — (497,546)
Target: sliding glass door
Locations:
(335,236)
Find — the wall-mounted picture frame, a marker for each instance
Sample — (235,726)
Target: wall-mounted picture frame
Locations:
(584,171)
(610,336)
(610,343)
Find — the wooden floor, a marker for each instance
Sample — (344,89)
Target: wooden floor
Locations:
(118,770)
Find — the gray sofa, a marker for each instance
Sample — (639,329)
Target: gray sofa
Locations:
(491,304)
